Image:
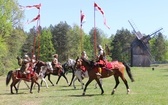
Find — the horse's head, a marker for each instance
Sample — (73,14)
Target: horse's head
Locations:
(49,67)
(20,61)
(38,65)
(78,62)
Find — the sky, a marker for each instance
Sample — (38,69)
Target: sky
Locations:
(147,16)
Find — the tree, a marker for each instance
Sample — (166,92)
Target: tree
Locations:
(73,42)
(159,47)
(59,33)
(95,39)
(121,44)
(46,45)
(10,17)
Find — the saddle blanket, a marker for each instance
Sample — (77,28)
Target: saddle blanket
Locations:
(112,65)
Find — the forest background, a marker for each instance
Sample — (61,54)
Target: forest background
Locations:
(63,39)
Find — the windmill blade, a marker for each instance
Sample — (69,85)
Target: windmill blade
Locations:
(156,32)
(146,48)
(138,34)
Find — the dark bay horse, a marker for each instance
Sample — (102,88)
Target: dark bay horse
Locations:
(55,73)
(117,72)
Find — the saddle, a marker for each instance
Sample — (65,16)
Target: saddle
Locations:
(20,74)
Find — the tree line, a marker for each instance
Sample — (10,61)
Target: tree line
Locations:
(65,40)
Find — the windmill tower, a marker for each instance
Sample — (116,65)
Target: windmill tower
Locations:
(140,52)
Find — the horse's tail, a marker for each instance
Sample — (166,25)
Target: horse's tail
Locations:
(128,71)
(8,78)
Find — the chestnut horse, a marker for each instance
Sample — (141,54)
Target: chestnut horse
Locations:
(117,72)
(33,77)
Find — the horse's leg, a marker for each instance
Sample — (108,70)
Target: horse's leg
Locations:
(45,82)
(35,81)
(59,77)
(65,78)
(32,82)
(100,85)
(88,82)
(73,76)
(11,86)
(74,82)
(117,82)
(80,80)
(79,76)
(18,84)
(42,80)
(126,83)
(100,82)
(15,85)
(27,85)
(50,80)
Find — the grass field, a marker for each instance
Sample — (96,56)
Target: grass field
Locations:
(150,88)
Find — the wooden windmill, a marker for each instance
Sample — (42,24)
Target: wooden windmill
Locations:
(140,52)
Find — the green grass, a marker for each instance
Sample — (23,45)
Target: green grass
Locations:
(150,88)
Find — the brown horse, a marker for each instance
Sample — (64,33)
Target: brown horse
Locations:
(117,72)
(16,76)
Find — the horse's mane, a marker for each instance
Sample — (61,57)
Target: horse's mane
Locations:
(89,62)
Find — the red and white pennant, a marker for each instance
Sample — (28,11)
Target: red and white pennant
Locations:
(100,9)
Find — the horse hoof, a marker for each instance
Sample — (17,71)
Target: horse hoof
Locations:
(128,91)
(83,94)
(112,92)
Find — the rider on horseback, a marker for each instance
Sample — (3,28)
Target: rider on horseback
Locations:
(26,64)
(83,69)
(100,60)
(56,64)
(33,60)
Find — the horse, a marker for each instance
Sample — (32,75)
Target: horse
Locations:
(17,75)
(55,73)
(42,68)
(77,73)
(117,69)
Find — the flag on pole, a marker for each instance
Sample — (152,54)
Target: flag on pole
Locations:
(102,12)
(34,19)
(36,6)
(29,7)
(82,17)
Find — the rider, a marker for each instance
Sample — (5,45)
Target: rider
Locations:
(100,60)
(56,64)
(84,56)
(26,65)
(33,60)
